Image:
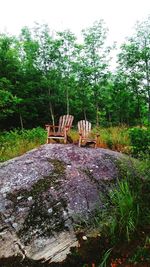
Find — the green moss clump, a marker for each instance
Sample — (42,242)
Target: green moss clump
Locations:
(46,211)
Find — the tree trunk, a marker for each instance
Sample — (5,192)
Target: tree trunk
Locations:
(148,87)
(139,108)
(51,112)
(51,108)
(97,107)
(97,115)
(109,118)
(21,121)
(149,107)
(67,100)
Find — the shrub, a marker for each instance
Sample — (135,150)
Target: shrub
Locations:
(140,141)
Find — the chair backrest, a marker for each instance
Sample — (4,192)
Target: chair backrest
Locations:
(65,120)
(84,128)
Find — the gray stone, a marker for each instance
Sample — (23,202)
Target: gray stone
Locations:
(46,190)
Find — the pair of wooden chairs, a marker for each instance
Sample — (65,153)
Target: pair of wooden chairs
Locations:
(65,123)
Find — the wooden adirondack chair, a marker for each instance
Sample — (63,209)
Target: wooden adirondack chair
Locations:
(84,128)
(60,131)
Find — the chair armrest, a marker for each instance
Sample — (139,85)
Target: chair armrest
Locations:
(51,126)
(51,129)
(67,128)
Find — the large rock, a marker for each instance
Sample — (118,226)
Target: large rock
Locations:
(44,192)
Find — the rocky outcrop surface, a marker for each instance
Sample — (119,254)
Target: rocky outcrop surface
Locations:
(44,192)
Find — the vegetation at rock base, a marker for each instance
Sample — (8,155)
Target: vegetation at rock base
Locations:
(124,220)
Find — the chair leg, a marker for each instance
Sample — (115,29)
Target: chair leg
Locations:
(96,143)
(65,140)
(79,142)
(48,140)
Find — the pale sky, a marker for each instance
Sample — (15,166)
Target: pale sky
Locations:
(119,15)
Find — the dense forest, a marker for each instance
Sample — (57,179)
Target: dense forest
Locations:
(45,74)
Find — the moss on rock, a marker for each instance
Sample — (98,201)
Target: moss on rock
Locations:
(45,213)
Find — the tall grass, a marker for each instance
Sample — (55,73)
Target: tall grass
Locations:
(105,258)
(115,138)
(126,210)
(124,219)
(16,143)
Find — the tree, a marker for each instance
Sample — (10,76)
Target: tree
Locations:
(9,73)
(128,60)
(135,60)
(95,60)
(47,63)
(142,40)
(67,54)
(8,102)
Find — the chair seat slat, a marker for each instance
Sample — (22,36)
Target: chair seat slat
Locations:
(60,131)
(84,128)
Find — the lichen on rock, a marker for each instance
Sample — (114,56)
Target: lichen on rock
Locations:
(44,190)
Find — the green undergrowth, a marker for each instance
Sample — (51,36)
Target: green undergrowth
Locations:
(140,141)
(17,142)
(131,141)
(124,219)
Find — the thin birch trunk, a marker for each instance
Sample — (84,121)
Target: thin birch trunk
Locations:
(97,115)
(51,108)
(148,91)
(67,99)
(21,121)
